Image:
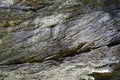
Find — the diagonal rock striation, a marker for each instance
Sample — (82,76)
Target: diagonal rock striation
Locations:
(58,40)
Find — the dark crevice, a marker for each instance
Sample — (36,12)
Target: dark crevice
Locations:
(115,41)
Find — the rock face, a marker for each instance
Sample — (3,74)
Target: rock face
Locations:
(68,38)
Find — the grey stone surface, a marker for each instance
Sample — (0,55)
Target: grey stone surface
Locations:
(68,38)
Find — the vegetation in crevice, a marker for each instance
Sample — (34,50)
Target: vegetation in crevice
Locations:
(73,51)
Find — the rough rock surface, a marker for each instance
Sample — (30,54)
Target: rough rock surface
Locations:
(58,39)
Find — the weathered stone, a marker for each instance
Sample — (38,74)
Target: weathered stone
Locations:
(81,36)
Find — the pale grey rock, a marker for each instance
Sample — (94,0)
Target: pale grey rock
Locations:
(68,38)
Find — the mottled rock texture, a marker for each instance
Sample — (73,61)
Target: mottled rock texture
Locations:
(58,39)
